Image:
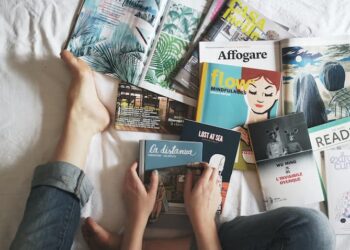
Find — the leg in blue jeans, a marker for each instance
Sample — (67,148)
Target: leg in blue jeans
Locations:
(283,228)
(52,212)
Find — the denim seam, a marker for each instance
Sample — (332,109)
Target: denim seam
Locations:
(77,188)
(65,223)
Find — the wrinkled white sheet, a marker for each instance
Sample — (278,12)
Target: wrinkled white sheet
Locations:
(33,87)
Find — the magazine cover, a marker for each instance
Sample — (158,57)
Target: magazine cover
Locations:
(170,158)
(338,189)
(287,170)
(219,149)
(327,136)
(232,97)
(316,78)
(115,37)
(144,111)
(237,21)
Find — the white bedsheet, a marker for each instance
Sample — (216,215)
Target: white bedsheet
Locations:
(33,87)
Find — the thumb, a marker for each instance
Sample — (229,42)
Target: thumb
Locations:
(188,184)
(70,60)
(154,184)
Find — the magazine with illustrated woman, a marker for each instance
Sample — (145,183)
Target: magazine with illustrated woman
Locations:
(316,72)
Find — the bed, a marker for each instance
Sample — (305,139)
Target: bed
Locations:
(33,88)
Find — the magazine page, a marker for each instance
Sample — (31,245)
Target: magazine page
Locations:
(327,136)
(285,164)
(144,111)
(236,21)
(232,97)
(180,25)
(316,78)
(338,190)
(114,37)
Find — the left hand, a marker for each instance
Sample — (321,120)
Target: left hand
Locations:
(139,202)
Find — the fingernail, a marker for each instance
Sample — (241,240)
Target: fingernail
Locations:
(155,172)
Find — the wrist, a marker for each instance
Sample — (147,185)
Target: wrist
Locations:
(207,236)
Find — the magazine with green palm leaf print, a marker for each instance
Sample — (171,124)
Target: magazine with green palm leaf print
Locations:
(131,41)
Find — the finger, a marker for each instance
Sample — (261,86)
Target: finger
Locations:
(206,173)
(214,175)
(154,184)
(70,60)
(188,184)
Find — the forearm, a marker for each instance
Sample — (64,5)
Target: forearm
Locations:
(75,141)
(206,236)
(133,235)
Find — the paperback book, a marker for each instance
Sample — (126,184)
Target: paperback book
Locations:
(138,42)
(144,111)
(232,97)
(287,170)
(236,21)
(219,149)
(338,190)
(327,136)
(170,159)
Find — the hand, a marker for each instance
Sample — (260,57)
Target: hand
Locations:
(201,202)
(203,199)
(244,134)
(139,202)
(139,205)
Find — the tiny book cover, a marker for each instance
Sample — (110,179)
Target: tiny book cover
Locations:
(338,189)
(327,136)
(171,159)
(232,97)
(219,149)
(287,170)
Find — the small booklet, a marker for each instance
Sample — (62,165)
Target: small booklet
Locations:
(171,159)
(144,111)
(232,97)
(286,167)
(139,42)
(219,149)
(327,136)
(338,189)
(236,21)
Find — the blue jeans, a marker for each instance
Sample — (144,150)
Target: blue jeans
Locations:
(59,190)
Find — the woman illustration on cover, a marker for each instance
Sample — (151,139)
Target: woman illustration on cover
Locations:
(260,97)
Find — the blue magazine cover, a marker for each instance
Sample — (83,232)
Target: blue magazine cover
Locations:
(232,97)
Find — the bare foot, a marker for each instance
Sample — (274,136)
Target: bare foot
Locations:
(99,238)
(83,101)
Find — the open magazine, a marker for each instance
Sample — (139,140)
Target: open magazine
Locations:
(236,21)
(141,110)
(138,42)
(316,72)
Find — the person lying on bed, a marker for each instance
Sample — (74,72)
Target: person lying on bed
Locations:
(60,189)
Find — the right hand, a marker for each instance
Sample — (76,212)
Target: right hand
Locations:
(203,198)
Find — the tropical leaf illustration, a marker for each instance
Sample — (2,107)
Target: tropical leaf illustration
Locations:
(168,52)
(84,25)
(122,57)
(181,21)
(81,46)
